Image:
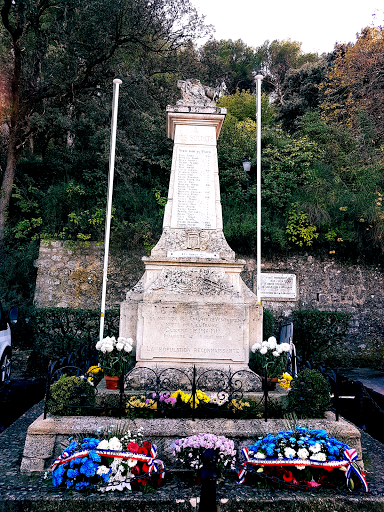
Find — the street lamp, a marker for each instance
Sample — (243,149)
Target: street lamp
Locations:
(247,168)
(258,79)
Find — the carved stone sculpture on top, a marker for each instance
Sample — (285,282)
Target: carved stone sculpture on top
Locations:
(194,94)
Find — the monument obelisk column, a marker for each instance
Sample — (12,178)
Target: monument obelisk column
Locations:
(191,306)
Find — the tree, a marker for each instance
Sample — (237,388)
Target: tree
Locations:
(231,62)
(277,58)
(354,88)
(301,93)
(60,50)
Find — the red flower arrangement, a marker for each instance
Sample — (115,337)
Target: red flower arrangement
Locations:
(145,471)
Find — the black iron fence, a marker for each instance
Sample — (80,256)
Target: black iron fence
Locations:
(190,392)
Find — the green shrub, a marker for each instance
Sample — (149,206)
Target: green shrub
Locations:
(58,331)
(69,392)
(309,396)
(267,324)
(316,331)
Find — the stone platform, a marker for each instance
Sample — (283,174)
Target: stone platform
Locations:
(21,493)
(47,438)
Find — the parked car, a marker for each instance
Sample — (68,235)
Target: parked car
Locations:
(6,320)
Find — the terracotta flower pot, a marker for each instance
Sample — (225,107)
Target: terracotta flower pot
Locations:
(271,383)
(112,382)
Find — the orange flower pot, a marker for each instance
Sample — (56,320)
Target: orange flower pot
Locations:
(112,382)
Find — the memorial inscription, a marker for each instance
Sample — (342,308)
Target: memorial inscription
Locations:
(194,192)
(282,286)
(194,331)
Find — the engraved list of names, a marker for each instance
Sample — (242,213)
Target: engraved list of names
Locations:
(194,191)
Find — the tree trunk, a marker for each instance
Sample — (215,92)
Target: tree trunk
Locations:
(6,187)
(13,123)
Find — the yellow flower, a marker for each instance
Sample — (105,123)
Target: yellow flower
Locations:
(200,396)
(94,369)
(140,403)
(285,381)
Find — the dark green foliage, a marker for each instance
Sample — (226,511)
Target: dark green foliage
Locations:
(267,324)
(301,93)
(69,392)
(309,395)
(231,62)
(316,331)
(58,331)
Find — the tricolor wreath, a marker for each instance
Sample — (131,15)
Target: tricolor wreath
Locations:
(96,465)
(303,457)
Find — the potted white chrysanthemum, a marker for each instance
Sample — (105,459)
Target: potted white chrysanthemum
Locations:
(270,359)
(115,355)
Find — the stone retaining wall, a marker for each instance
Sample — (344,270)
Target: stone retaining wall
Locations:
(70,276)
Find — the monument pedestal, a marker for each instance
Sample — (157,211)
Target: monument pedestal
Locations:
(191,306)
(192,311)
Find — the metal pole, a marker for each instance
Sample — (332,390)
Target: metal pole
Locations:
(112,150)
(258,79)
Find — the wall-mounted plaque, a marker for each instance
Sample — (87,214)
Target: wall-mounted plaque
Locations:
(278,286)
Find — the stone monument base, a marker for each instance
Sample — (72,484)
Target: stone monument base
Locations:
(187,311)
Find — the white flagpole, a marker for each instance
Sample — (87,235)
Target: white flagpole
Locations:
(112,150)
(258,79)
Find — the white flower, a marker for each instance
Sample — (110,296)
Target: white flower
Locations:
(128,348)
(119,346)
(263,350)
(99,345)
(256,346)
(315,448)
(318,456)
(108,348)
(259,455)
(300,467)
(131,463)
(302,453)
(289,453)
(103,349)
(285,347)
(114,444)
(276,353)
(102,470)
(272,342)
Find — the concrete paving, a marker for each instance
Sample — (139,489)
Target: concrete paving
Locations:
(372,379)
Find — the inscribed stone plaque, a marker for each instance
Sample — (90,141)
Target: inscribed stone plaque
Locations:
(192,254)
(191,332)
(194,191)
(282,286)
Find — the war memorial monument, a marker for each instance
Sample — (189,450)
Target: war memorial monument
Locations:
(191,305)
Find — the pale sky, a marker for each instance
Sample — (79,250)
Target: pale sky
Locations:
(317,25)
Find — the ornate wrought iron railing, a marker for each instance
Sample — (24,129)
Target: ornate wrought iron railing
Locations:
(147,391)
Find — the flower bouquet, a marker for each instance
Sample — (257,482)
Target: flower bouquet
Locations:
(270,359)
(117,462)
(115,355)
(305,458)
(189,451)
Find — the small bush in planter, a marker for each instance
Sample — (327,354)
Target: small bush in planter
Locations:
(68,394)
(309,395)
